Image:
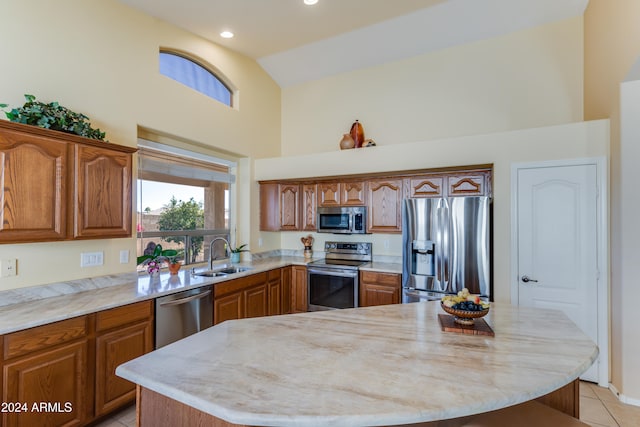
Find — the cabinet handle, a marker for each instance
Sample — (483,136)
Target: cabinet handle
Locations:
(185,300)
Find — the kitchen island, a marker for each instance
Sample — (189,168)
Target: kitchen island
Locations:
(381,365)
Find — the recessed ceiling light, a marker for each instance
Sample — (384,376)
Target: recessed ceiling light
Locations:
(226,34)
(310,2)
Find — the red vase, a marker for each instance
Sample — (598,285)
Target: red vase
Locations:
(357,133)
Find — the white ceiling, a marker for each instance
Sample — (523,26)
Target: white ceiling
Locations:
(295,43)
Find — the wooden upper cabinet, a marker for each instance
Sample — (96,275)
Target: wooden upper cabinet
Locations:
(289,207)
(426,186)
(102,202)
(279,207)
(352,193)
(467,185)
(341,193)
(58,186)
(309,206)
(328,194)
(33,173)
(385,205)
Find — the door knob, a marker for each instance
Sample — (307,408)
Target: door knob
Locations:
(526,279)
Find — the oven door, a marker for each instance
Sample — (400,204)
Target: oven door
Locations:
(330,288)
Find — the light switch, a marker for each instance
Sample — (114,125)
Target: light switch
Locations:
(124,256)
(9,267)
(91,259)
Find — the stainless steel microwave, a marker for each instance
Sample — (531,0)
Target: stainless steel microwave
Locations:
(342,220)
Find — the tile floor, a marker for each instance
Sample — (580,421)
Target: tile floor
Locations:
(599,407)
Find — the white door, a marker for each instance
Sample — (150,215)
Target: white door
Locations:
(557,243)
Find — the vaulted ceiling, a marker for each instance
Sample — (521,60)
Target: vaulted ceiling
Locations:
(295,43)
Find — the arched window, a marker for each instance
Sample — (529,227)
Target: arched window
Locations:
(192,74)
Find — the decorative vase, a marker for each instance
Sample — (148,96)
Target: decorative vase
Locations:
(347,142)
(174,268)
(235,257)
(357,133)
(308,253)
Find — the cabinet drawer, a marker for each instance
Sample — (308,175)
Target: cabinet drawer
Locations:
(273,274)
(41,337)
(381,278)
(119,316)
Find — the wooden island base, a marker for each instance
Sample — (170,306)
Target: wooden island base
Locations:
(559,409)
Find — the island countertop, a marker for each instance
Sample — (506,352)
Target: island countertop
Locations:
(366,366)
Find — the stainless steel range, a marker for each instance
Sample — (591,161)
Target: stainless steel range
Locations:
(333,281)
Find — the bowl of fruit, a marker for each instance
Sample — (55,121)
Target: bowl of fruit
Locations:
(464,307)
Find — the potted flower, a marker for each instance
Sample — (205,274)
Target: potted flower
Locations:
(154,256)
(235,252)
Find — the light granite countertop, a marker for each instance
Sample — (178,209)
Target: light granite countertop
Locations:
(365,366)
(29,307)
(34,306)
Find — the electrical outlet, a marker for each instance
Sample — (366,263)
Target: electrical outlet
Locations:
(124,256)
(9,267)
(91,259)
(260,242)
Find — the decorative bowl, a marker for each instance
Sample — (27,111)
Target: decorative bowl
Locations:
(464,317)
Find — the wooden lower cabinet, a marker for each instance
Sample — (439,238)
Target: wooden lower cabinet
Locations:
(251,296)
(227,307)
(285,278)
(379,288)
(55,378)
(124,333)
(67,369)
(299,303)
(274,292)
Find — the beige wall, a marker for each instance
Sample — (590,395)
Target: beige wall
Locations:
(612,46)
(577,140)
(526,79)
(100,58)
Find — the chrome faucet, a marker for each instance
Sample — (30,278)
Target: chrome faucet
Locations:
(227,252)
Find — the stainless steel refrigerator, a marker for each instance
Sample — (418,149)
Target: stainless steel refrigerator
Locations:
(445,247)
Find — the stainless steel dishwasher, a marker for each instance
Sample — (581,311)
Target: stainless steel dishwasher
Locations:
(182,314)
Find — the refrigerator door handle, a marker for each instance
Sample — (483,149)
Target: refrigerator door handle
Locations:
(445,226)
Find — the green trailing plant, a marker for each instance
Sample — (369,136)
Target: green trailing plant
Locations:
(53,116)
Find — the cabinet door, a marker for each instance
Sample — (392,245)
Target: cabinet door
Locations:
(269,207)
(426,186)
(466,185)
(299,289)
(329,194)
(227,307)
(385,206)
(352,193)
(57,377)
(274,292)
(379,288)
(113,349)
(289,207)
(286,289)
(102,202)
(33,172)
(255,301)
(309,202)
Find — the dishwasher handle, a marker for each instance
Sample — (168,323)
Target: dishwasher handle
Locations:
(185,300)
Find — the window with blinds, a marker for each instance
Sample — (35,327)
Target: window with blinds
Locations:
(183,201)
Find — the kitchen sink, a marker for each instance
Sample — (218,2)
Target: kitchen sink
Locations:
(222,272)
(233,270)
(210,273)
